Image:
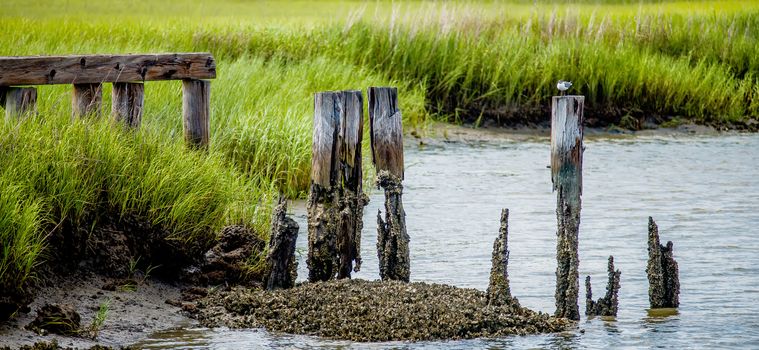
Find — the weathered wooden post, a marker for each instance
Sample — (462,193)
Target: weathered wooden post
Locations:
(662,271)
(609,304)
(566,175)
(126,107)
(3,90)
(498,291)
(387,154)
(196,112)
(324,197)
(20,101)
(352,196)
(86,99)
(282,266)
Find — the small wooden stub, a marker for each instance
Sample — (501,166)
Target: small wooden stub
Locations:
(20,101)
(386,125)
(96,69)
(282,265)
(196,112)
(127,104)
(566,175)
(86,100)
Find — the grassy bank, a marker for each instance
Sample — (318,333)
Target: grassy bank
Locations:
(467,61)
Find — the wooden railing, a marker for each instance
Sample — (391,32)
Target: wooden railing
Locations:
(127,73)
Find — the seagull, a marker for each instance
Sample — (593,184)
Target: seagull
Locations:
(563,86)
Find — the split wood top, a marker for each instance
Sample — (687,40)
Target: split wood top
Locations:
(92,69)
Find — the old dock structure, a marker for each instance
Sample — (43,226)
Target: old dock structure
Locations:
(662,271)
(127,73)
(566,176)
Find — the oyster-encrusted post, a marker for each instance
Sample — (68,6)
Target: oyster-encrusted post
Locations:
(498,291)
(662,271)
(281,263)
(609,304)
(387,156)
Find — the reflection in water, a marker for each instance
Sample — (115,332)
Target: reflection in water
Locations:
(702,191)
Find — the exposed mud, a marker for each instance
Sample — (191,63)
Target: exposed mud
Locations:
(361,310)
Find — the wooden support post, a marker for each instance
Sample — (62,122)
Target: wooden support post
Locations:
(566,175)
(86,100)
(609,304)
(282,266)
(126,107)
(323,197)
(662,271)
(3,90)
(20,101)
(499,292)
(352,195)
(387,155)
(196,111)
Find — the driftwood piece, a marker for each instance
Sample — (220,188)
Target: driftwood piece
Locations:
(96,69)
(498,291)
(196,112)
(566,176)
(662,271)
(282,266)
(86,100)
(20,101)
(609,304)
(126,107)
(323,197)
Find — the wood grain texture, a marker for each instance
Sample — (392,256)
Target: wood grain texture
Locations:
(566,175)
(325,146)
(196,112)
(20,101)
(127,103)
(86,99)
(90,69)
(386,124)
(3,89)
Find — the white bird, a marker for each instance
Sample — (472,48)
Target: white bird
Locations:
(563,86)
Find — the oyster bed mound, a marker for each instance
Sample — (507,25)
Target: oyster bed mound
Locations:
(361,310)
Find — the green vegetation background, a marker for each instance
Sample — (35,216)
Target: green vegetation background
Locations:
(455,61)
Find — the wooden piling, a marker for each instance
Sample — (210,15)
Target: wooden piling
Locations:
(126,107)
(387,156)
(352,196)
(498,291)
(566,175)
(86,100)
(20,102)
(282,266)
(324,197)
(196,112)
(609,304)
(3,90)
(662,271)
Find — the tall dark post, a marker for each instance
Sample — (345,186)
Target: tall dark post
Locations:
(499,292)
(662,271)
(387,154)
(566,175)
(282,266)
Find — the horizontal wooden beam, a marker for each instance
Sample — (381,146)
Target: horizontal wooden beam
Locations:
(91,69)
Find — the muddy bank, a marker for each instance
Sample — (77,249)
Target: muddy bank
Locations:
(361,310)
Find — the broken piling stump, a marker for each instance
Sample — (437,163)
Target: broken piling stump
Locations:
(282,266)
(662,271)
(566,176)
(387,156)
(498,291)
(86,100)
(609,304)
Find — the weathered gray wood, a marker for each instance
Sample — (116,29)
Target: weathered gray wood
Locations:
(282,266)
(324,197)
(92,69)
(499,292)
(126,107)
(3,89)
(352,196)
(86,100)
(386,126)
(20,101)
(196,112)
(566,175)
(609,304)
(662,271)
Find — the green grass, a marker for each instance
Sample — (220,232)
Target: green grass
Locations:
(457,61)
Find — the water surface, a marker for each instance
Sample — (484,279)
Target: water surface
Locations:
(702,191)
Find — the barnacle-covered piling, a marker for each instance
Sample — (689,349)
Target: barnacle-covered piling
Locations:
(499,292)
(609,304)
(662,271)
(387,155)
(281,263)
